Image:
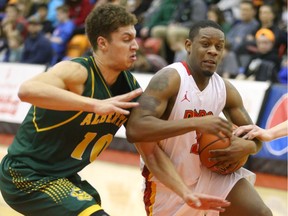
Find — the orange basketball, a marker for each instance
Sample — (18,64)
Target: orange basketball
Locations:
(209,142)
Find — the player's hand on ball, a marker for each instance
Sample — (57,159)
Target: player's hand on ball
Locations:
(236,151)
(212,125)
(206,202)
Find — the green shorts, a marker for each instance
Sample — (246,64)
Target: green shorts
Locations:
(29,193)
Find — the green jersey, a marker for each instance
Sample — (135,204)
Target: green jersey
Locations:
(61,143)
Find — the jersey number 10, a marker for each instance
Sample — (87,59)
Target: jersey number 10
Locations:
(101,144)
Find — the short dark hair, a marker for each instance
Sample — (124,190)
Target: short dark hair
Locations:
(13,6)
(42,6)
(248,2)
(105,19)
(63,9)
(194,30)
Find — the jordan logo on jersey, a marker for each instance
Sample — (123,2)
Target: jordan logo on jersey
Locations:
(185,98)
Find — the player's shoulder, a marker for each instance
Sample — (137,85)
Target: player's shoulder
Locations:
(166,78)
(168,72)
(68,66)
(178,66)
(228,85)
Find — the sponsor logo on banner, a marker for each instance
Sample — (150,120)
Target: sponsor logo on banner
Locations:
(275,111)
(277,115)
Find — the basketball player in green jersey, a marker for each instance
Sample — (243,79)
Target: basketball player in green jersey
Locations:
(77,107)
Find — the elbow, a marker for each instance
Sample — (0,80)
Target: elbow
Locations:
(133,135)
(24,92)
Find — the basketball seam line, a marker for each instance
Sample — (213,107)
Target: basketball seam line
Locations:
(211,144)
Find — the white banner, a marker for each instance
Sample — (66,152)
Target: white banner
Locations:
(11,76)
(252,94)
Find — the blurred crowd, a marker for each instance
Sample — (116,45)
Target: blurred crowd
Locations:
(46,32)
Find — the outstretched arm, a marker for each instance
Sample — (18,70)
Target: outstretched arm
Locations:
(61,88)
(253,131)
(162,168)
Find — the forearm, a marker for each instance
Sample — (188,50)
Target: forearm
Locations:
(152,129)
(50,97)
(257,146)
(278,131)
(163,169)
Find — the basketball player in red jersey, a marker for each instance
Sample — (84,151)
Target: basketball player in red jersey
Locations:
(164,127)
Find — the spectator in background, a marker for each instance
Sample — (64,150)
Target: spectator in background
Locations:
(228,67)
(52,11)
(26,7)
(155,25)
(242,31)
(14,51)
(265,63)
(139,12)
(216,15)
(179,49)
(13,22)
(185,15)
(230,9)
(159,16)
(149,13)
(78,11)
(42,12)
(37,48)
(61,34)
(267,19)
(148,62)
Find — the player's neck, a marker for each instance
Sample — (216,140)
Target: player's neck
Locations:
(109,75)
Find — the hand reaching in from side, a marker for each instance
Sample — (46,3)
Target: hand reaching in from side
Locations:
(252,131)
(206,202)
(119,104)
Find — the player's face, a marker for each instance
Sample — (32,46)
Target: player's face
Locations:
(206,50)
(123,47)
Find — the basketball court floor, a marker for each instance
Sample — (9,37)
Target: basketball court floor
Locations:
(117,177)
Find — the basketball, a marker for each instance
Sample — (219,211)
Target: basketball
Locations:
(209,142)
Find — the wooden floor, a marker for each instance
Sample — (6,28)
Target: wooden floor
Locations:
(117,177)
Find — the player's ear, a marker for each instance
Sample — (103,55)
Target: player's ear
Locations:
(188,45)
(102,43)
